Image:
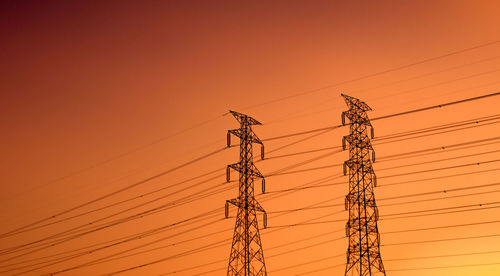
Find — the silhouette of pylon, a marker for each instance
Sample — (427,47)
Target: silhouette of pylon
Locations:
(363,252)
(246,257)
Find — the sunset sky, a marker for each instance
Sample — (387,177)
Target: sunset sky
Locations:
(99,95)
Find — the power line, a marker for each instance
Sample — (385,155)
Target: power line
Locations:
(284,170)
(136,236)
(190,268)
(442,198)
(441,83)
(388,168)
(388,260)
(35,227)
(442,131)
(440,169)
(374,74)
(445,212)
(442,227)
(437,106)
(393,244)
(116,192)
(217,244)
(319,185)
(436,150)
(162,188)
(267,232)
(322,185)
(410,214)
(439,160)
(109,224)
(402,217)
(306,263)
(402,155)
(324,129)
(92,229)
(197,250)
(287,116)
(323,242)
(174,204)
(219,261)
(177,243)
(444,256)
(438,177)
(403,231)
(50,244)
(474,121)
(441,127)
(104,259)
(477,205)
(215,192)
(320,269)
(435,133)
(445,267)
(407,269)
(443,240)
(446,191)
(449,92)
(442,191)
(119,156)
(58,214)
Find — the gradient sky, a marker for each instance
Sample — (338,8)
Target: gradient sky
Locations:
(97,95)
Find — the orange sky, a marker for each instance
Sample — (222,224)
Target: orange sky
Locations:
(86,82)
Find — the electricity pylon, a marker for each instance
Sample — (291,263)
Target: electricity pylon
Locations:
(246,257)
(363,252)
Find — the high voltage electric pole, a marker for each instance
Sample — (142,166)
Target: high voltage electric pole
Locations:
(363,252)
(246,257)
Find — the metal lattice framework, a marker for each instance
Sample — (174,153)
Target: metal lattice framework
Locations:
(246,257)
(363,252)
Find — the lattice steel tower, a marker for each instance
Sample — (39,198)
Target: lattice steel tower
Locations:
(246,257)
(363,252)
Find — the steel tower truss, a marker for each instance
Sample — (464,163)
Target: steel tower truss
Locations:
(246,257)
(363,252)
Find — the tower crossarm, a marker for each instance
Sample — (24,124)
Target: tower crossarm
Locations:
(242,118)
(240,203)
(357,140)
(354,103)
(363,166)
(240,133)
(250,169)
(356,117)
